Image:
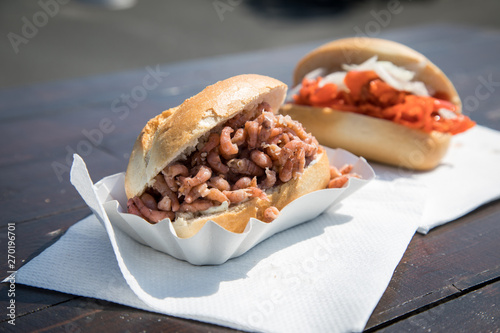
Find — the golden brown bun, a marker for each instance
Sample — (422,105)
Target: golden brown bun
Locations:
(315,177)
(176,131)
(375,139)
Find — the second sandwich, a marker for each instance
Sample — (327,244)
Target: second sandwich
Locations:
(378,99)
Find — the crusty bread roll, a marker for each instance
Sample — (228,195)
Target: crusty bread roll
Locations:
(375,139)
(176,133)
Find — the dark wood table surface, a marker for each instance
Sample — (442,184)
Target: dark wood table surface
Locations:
(447,280)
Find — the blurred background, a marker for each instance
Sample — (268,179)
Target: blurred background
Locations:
(47,40)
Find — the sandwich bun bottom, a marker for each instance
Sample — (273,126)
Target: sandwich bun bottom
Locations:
(315,177)
(375,139)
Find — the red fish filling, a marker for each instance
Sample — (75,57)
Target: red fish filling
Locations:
(371,96)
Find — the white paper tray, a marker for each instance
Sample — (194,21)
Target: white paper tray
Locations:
(213,244)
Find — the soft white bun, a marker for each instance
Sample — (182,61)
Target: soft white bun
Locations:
(177,131)
(375,139)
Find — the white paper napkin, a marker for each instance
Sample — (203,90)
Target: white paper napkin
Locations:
(467,178)
(324,275)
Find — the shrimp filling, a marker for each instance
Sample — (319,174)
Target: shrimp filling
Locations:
(249,154)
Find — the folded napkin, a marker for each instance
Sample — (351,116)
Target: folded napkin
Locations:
(327,274)
(467,177)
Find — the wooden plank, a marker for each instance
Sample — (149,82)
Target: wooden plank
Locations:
(476,311)
(60,113)
(278,63)
(457,256)
(31,191)
(46,118)
(89,315)
(31,238)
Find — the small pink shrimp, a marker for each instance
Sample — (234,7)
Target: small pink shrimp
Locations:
(275,140)
(252,129)
(175,170)
(264,106)
(261,159)
(195,193)
(346,169)
(291,150)
(296,127)
(213,141)
(282,138)
(334,172)
(256,192)
(215,162)
(311,149)
(161,186)
(285,174)
(270,179)
(219,183)
(300,162)
(243,194)
(227,148)
(266,121)
(244,182)
(270,214)
(132,208)
(273,151)
(276,131)
(245,166)
(149,201)
(172,171)
(215,194)
(152,215)
(239,120)
(338,182)
(239,137)
(203,174)
(196,206)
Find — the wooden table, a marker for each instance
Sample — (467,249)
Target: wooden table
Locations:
(447,280)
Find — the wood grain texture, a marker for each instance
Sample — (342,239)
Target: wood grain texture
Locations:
(31,239)
(445,263)
(82,314)
(477,311)
(444,278)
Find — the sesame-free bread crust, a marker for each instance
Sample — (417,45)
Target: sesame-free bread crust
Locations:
(176,131)
(375,139)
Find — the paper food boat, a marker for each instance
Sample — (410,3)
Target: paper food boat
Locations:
(213,244)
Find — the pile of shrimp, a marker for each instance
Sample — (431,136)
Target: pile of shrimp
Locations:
(371,96)
(339,177)
(251,153)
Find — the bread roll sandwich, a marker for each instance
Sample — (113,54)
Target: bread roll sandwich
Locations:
(378,99)
(223,155)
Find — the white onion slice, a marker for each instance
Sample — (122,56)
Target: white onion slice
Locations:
(315,73)
(336,78)
(365,66)
(397,77)
(447,114)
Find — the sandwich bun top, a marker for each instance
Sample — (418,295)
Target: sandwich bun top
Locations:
(356,50)
(177,131)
